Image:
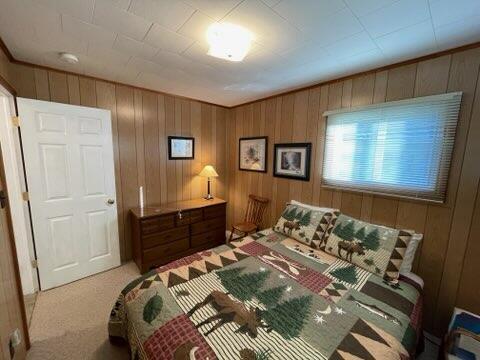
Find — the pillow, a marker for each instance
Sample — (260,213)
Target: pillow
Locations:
(375,248)
(333,218)
(312,207)
(410,254)
(303,224)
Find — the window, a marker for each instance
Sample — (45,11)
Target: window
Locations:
(402,147)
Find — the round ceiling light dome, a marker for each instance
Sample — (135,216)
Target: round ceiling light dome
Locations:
(68,58)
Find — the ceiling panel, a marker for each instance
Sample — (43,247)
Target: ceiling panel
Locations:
(107,15)
(171,14)
(444,13)
(107,56)
(308,52)
(216,9)
(364,7)
(271,3)
(134,47)
(351,46)
(196,27)
(462,32)
(268,27)
(165,39)
(310,13)
(396,16)
(334,28)
(82,10)
(399,45)
(88,32)
(161,44)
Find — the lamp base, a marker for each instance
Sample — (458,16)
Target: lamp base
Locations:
(208,197)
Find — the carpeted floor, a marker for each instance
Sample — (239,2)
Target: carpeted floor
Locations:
(70,322)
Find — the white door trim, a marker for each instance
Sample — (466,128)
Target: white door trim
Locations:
(20,217)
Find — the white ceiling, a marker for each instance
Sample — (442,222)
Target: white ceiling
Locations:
(160,44)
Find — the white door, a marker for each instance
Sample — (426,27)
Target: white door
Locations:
(71,184)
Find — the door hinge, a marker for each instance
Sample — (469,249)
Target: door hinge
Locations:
(25,196)
(35,263)
(3,199)
(16,121)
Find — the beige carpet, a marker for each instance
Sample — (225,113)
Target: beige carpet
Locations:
(70,322)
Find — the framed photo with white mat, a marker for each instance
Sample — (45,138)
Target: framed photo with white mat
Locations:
(252,154)
(181,148)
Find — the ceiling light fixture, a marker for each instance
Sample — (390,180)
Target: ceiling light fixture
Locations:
(69,58)
(228,41)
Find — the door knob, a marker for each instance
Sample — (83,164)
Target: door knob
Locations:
(110,201)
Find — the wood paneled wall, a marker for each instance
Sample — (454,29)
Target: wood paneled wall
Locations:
(448,257)
(141,122)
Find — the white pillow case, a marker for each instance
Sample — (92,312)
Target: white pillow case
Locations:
(409,256)
(311,207)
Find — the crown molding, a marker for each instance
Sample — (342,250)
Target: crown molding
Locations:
(48,68)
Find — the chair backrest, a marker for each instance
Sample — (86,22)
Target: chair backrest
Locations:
(255,209)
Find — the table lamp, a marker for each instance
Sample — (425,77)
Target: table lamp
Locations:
(208,172)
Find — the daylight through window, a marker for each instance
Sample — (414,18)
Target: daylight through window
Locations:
(402,148)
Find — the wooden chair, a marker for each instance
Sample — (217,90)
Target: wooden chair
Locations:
(253,216)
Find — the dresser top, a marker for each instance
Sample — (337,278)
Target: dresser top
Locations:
(174,207)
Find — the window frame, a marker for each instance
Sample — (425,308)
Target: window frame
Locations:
(396,190)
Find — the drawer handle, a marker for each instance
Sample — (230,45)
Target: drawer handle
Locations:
(180,216)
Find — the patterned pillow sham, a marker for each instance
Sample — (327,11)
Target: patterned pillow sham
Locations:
(303,224)
(378,249)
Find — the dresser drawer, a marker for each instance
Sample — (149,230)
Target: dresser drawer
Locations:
(189,217)
(208,225)
(165,237)
(212,237)
(164,251)
(211,212)
(157,224)
(196,216)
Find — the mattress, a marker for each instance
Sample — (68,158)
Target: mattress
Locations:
(266,296)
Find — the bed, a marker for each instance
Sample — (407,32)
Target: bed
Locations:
(267,296)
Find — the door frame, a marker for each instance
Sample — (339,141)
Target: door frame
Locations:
(18,281)
(16,183)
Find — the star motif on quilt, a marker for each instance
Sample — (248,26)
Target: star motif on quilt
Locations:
(280,276)
(339,311)
(262,269)
(288,289)
(319,319)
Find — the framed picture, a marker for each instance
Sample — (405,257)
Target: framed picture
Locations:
(181,148)
(252,153)
(292,161)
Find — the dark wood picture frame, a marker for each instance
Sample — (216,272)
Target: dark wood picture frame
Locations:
(266,153)
(170,157)
(308,153)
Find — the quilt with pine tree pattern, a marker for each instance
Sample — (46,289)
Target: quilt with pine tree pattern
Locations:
(266,296)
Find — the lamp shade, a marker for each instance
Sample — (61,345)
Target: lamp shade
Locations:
(208,171)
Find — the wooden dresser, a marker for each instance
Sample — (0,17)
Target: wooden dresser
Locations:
(168,232)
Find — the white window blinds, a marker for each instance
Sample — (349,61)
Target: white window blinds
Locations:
(402,147)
